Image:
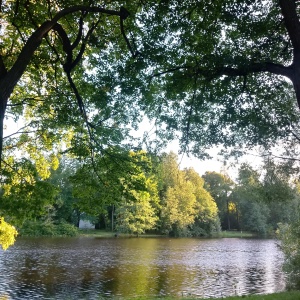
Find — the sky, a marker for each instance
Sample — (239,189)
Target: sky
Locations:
(216,163)
(200,166)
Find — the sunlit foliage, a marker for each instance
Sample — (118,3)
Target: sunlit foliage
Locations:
(8,234)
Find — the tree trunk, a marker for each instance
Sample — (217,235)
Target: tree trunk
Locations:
(3,103)
(228,216)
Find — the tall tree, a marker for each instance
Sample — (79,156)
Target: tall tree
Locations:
(107,179)
(65,205)
(223,72)
(220,187)
(137,214)
(265,198)
(187,208)
(251,205)
(220,72)
(206,219)
(48,51)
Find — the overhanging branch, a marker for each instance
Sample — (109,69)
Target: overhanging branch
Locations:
(12,77)
(247,69)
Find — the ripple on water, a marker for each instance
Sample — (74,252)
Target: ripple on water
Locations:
(87,268)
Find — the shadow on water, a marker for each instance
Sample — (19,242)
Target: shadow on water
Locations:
(89,268)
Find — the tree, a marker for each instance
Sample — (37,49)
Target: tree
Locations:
(265,198)
(221,72)
(179,208)
(252,209)
(209,73)
(280,192)
(138,214)
(290,245)
(176,195)
(47,53)
(109,179)
(24,195)
(216,72)
(65,206)
(55,42)
(206,219)
(186,207)
(220,187)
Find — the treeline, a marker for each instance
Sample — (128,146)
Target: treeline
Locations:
(135,192)
(257,201)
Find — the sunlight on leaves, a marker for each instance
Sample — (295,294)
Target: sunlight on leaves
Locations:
(8,235)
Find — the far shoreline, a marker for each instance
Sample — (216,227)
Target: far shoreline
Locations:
(109,234)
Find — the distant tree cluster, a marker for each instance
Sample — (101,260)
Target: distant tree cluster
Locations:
(135,192)
(149,194)
(258,201)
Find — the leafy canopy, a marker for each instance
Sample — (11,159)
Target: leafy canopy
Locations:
(207,72)
(210,73)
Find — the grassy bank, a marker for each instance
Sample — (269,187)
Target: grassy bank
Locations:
(103,233)
(293,295)
(236,234)
(95,232)
(107,234)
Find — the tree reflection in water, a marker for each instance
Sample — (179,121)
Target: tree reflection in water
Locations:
(91,267)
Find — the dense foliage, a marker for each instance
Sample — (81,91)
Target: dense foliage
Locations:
(48,228)
(187,208)
(8,234)
(153,195)
(147,195)
(258,201)
(209,73)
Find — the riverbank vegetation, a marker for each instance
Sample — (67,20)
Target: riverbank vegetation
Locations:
(47,228)
(152,195)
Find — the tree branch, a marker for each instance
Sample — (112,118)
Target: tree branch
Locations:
(14,74)
(124,15)
(79,35)
(83,46)
(292,24)
(3,70)
(251,68)
(64,37)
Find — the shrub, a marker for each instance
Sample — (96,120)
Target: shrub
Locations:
(290,245)
(47,228)
(66,229)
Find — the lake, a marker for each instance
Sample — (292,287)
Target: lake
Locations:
(95,268)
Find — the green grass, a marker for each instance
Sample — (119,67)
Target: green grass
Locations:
(104,233)
(236,234)
(293,295)
(107,234)
(95,232)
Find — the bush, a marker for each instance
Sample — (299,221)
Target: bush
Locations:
(46,228)
(66,229)
(290,245)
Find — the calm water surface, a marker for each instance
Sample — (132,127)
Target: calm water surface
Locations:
(93,268)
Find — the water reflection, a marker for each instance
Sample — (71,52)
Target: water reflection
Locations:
(90,268)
